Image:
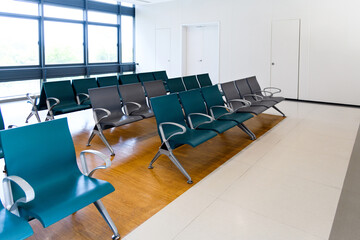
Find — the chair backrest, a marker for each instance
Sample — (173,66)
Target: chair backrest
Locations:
(230,91)
(41,154)
(128,79)
(191,82)
(133,93)
(160,75)
(243,87)
(61,90)
(175,85)
(106,97)
(146,77)
(2,125)
(204,80)
(212,96)
(154,88)
(107,81)
(42,99)
(168,109)
(254,85)
(83,85)
(192,102)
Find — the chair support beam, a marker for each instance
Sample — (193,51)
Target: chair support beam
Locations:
(104,213)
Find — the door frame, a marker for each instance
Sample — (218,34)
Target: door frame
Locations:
(184,43)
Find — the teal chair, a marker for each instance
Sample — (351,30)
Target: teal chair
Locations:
(204,80)
(128,79)
(81,88)
(60,99)
(216,106)
(161,75)
(60,187)
(197,115)
(38,103)
(13,227)
(191,82)
(175,85)
(146,77)
(108,81)
(173,130)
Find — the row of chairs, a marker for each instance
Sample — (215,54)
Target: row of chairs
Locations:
(195,116)
(181,84)
(48,184)
(114,106)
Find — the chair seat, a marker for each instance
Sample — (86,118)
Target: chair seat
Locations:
(75,192)
(276,99)
(70,107)
(265,103)
(145,113)
(13,227)
(238,117)
(116,120)
(252,109)
(218,126)
(191,137)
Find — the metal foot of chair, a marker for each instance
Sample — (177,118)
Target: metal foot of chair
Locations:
(247,131)
(279,111)
(90,138)
(154,159)
(101,208)
(101,135)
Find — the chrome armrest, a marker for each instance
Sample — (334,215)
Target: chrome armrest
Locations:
(218,106)
(9,199)
(257,98)
(84,165)
(49,106)
(243,101)
(162,134)
(107,114)
(78,98)
(199,114)
(32,99)
(266,93)
(126,110)
(277,90)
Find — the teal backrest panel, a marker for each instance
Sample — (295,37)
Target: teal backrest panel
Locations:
(192,102)
(2,125)
(160,75)
(128,79)
(175,85)
(204,80)
(41,153)
(191,82)
(83,85)
(212,96)
(61,90)
(146,77)
(107,81)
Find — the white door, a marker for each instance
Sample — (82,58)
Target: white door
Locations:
(163,50)
(202,51)
(285,57)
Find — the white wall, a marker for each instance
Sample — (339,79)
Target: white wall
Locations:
(329,40)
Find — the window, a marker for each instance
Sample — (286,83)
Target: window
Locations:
(127,38)
(63,12)
(94,16)
(19,88)
(63,43)
(20,7)
(102,44)
(127,4)
(19,42)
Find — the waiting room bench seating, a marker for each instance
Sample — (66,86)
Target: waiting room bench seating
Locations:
(204,80)
(191,82)
(128,79)
(60,188)
(161,75)
(81,88)
(173,130)
(107,81)
(176,85)
(267,93)
(108,112)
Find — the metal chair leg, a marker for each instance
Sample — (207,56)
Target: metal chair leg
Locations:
(101,135)
(247,131)
(179,166)
(279,111)
(91,138)
(154,159)
(30,115)
(100,206)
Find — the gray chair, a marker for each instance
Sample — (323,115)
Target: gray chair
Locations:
(267,93)
(234,99)
(154,89)
(108,112)
(256,100)
(134,100)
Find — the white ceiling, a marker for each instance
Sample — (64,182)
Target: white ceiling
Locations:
(142,2)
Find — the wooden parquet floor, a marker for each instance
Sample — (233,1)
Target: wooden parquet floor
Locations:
(141,192)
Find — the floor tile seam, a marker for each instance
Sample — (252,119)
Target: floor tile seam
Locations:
(270,218)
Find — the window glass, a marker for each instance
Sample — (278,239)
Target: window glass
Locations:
(19,42)
(63,12)
(21,7)
(94,16)
(19,88)
(102,44)
(63,43)
(127,4)
(127,38)
(107,1)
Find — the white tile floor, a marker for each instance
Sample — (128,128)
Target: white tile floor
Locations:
(285,185)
